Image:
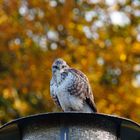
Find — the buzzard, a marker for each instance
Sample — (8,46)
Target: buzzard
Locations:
(70,88)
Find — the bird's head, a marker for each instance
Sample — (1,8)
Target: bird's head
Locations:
(59,66)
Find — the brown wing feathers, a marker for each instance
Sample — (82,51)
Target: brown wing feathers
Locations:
(82,88)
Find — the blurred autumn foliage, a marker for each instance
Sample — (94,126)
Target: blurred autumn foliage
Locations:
(101,38)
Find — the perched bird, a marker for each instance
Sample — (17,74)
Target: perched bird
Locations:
(70,88)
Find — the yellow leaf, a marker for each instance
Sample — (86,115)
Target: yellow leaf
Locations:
(123,57)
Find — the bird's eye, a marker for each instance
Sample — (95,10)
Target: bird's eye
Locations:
(63,66)
(55,67)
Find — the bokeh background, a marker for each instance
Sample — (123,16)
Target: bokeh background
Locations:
(99,37)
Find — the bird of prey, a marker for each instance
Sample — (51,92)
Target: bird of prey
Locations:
(70,88)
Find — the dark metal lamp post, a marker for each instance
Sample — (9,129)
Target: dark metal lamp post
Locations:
(70,126)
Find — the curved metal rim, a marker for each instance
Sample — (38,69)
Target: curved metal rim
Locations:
(60,114)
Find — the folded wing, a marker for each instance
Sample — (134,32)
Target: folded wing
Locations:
(53,93)
(81,88)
